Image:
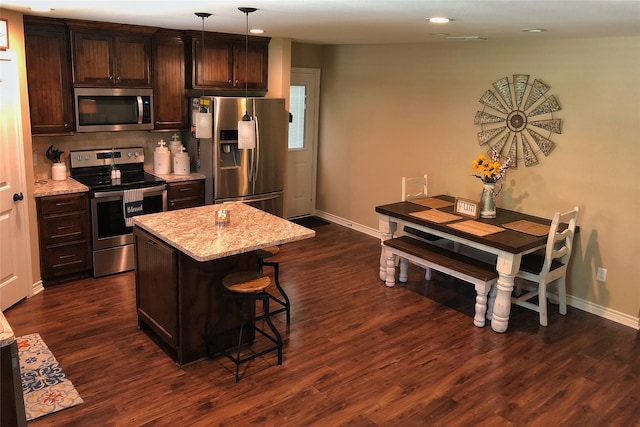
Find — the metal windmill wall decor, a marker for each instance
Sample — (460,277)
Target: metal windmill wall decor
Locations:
(517,119)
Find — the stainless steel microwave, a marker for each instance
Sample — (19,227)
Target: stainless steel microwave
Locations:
(113,109)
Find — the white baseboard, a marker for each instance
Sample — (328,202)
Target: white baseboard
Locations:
(575,302)
(36,288)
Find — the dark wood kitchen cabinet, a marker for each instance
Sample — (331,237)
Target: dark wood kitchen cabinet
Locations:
(222,65)
(169,93)
(113,60)
(185,194)
(65,237)
(48,60)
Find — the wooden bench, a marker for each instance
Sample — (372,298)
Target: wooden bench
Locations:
(427,255)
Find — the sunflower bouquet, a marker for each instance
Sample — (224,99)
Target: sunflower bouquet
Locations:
(490,170)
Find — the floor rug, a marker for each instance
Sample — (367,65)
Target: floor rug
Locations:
(310,221)
(45,386)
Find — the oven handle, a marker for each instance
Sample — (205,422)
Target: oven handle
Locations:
(120,193)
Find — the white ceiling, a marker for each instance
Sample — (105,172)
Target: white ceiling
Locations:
(366,21)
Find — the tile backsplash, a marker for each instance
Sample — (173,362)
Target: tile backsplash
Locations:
(96,140)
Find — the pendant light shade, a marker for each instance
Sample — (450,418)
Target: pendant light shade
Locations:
(203,118)
(246,126)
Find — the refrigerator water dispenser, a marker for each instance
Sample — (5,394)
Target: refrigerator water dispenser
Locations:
(229,155)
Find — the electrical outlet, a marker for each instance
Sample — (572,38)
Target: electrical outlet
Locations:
(602,274)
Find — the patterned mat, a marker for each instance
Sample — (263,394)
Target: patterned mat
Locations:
(45,386)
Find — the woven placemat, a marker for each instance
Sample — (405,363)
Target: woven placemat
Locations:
(476,228)
(528,227)
(435,215)
(432,202)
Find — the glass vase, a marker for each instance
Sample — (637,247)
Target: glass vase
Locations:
(488,200)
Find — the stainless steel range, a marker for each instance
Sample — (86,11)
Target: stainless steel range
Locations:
(115,177)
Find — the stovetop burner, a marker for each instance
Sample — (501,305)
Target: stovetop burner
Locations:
(128,180)
(93,168)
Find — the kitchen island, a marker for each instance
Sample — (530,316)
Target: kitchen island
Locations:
(181,258)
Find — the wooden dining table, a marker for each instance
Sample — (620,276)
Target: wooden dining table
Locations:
(507,243)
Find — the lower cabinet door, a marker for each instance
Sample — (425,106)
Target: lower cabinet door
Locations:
(156,286)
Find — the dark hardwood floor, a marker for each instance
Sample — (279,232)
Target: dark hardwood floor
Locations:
(356,353)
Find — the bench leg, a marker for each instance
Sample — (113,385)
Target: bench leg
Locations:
(481,305)
(404,270)
(427,273)
(390,274)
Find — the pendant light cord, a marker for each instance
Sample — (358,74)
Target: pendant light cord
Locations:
(202,15)
(246,11)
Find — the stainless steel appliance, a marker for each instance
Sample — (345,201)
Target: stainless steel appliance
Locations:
(113,109)
(254,176)
(112,239)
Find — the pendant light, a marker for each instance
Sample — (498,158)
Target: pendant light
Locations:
(203,118)
(246,126)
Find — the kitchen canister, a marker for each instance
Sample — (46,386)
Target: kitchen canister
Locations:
(181,164)
(59,171)
(162,159)
(175,146)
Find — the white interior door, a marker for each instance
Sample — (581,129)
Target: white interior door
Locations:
(14,230)
(303,136)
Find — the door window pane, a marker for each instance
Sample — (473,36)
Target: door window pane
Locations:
(297,97)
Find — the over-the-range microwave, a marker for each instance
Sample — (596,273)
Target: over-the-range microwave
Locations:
(113,109)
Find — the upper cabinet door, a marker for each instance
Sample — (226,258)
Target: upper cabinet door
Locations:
(93,59)
(256,70)
(214,66)
(169,95)
(48,60)
(133,65)
(107,60)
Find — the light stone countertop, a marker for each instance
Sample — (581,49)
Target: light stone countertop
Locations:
(172,177)
(193,231)
(49,187)
(6,333)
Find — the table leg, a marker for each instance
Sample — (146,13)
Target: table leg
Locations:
(387,228)
(507,266)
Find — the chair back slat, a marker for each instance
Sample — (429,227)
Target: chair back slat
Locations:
(560,240)
(414,188)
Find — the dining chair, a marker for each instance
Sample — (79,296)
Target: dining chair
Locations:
(412,189)
(539,270)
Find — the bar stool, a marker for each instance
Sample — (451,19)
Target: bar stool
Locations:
(249,286)
(263,254)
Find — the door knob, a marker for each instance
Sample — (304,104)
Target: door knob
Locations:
(17,197)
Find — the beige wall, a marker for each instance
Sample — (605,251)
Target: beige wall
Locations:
(389,111)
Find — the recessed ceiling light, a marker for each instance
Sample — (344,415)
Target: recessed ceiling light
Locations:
(40,9)
(256,31)
(439,20)
(533,30)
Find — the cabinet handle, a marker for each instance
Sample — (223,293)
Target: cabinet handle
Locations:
(118,78)
(152,243)
(110,77)
(65,227)
(173,204)
(67,256)
(185,189)
(66,126)
(63,203)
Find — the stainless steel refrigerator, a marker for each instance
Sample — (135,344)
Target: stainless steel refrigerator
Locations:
(254,176)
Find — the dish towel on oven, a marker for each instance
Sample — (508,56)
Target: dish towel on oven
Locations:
(132,205)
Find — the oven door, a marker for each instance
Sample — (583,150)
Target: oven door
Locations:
(107,217)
